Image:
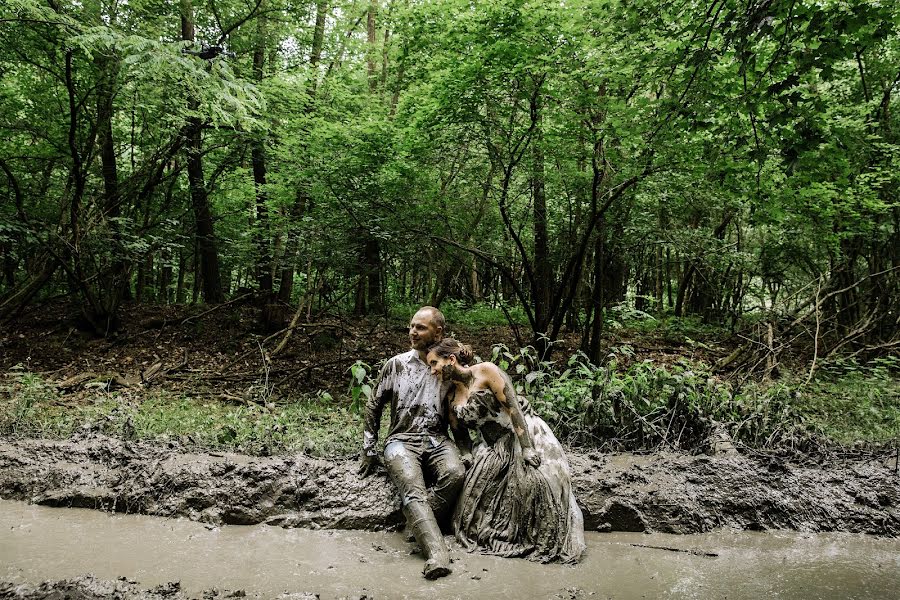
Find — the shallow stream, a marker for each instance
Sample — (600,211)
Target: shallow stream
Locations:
(38,543)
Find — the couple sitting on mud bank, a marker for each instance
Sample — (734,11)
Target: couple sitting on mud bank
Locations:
(512,497)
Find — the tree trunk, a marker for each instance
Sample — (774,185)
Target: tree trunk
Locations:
(373,274)
(682,289)
(543,271)
(359,303)
(165,278)
(669,277)
(258,159)
(372,74)
(117,278)
(291,247)
(207,245)
(302,201)
(182,267)
(597,300)
(18,298)
(9,266)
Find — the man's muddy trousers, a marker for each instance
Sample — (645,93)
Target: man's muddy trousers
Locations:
(409,463)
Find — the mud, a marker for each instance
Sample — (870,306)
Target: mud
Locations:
(136,556)
(668,493)
(88,587)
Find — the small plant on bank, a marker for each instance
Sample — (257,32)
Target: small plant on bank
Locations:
(361,386)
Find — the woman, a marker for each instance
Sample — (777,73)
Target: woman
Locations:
(517,498)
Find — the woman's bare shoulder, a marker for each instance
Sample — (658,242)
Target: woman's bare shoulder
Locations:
(487,367)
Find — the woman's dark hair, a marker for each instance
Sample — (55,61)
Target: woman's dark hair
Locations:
(449,347)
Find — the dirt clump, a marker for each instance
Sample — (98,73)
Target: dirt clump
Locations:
(88,587)
(662,492)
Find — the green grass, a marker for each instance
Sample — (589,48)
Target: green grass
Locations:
(317,425)
(853,403)
(643,406)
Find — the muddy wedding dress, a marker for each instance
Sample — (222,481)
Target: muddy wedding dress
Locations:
(508,508)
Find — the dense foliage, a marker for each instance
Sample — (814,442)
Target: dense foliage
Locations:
(733,160)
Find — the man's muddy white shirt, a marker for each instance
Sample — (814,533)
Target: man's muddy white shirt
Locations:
(417,402)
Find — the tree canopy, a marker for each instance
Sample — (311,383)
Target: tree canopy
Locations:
(733,160)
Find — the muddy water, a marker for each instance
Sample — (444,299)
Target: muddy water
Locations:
(38,543)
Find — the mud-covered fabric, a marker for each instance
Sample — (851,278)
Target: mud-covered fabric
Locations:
(508,508)
(416,398)
(411,465)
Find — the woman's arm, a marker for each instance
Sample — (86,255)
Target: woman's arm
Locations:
(460,431)
(506,395)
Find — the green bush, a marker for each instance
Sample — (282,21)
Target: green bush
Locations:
(646,406)
(466,314)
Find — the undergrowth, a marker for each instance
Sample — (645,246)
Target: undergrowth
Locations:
(317,425)
(643,406)
(463,314)
(651,407)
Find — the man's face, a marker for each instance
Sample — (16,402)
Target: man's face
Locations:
(422,330)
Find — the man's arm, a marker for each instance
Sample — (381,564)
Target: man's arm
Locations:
(384,390)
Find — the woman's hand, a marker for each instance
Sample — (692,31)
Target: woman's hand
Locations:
(531,457)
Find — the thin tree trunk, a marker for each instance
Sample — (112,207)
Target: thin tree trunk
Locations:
(370,53)
(374,269)
(207,245)
(117,278)
(302,201)
(179,287)
(165,278)
(683,288)
(195,269)
(543,272)
(669,276)
(258,159)
(286,285)
(597,299)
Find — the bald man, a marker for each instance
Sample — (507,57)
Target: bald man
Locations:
(417,447)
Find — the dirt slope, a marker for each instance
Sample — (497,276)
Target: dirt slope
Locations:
(660,492)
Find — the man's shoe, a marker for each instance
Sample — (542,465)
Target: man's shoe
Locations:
(434,569)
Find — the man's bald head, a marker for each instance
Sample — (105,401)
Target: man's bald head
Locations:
(426,327)
(437,317)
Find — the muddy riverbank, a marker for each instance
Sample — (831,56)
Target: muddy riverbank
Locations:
(666,493)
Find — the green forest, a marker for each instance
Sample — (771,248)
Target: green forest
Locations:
(581,175)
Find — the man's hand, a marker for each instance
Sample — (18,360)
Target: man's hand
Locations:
(466,459)
(531,457)
(368,465)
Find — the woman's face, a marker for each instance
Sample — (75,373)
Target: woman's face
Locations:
(441,367)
